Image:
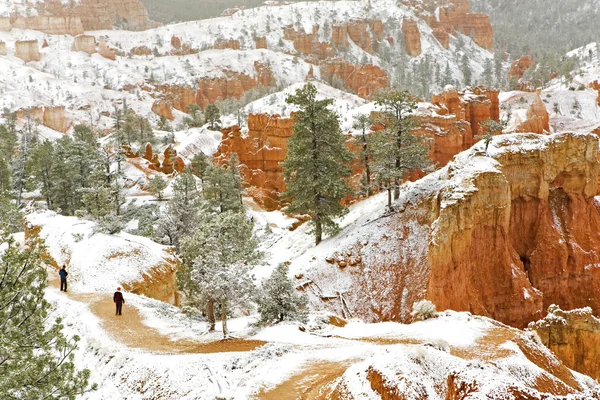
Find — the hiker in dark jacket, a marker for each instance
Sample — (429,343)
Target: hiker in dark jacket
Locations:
(119,300)
(63,278)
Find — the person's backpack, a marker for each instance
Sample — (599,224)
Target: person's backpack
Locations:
(118,297)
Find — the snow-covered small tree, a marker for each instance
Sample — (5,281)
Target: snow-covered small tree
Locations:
(182,214)
(492,127)
(278,301)
(157,186)
(36,359)
(217,261)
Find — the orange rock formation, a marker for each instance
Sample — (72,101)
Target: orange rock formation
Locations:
(27,50)
(100,15)
(51,117)
(233,86)
(163,109)
(574,336)
(519,67)
(503,237)
(538,119)
(364,80)
(53,25)
(2,48)
(260,153)
(452,16)
(412,37)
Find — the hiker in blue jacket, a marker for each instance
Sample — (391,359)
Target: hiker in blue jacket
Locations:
(63,278)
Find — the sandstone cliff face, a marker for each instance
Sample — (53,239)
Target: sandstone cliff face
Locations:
(260,153)
(59,25)
(446,17)
(412,37)
(503,236)
(27,50)
(2,48)
(84,43)
(233,86)
(100,15)
(574,336)
(51,117)
(163,109)
(364,80)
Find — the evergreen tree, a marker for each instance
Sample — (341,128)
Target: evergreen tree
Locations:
(36,359)
(157,186)
(316,164)
(40,167)
(465,67)
(212,115)
(199,165)
(218,258)
(491,127)
(221,188)
(278,301)
(181,215)
(363,123)
(195,120)
(396,149)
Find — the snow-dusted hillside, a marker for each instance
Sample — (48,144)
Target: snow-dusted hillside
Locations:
(89,85)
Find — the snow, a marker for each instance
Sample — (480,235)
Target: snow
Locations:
(97,262)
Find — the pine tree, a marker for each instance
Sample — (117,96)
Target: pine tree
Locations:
(181,215)
(36,359)
(157,186)
(221,188)
(396,149)
(316,167)
(217,261)
(199,165)
(40,167)
(363,123)
(466,70)
(278,301)
(491,127)
(212,115)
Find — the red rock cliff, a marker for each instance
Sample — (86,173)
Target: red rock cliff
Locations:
(502,236)
(574,336)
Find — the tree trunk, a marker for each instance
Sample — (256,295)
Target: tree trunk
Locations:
(210,313)
(318,230)
(367,167)
(224,319)
(389,197)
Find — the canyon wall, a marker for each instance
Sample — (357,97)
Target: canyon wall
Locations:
(58,18)
(574,336)
(451,123)
(446,17)
(52,117)
(503,236)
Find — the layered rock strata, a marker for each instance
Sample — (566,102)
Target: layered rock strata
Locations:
(574,336)
(504,235)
